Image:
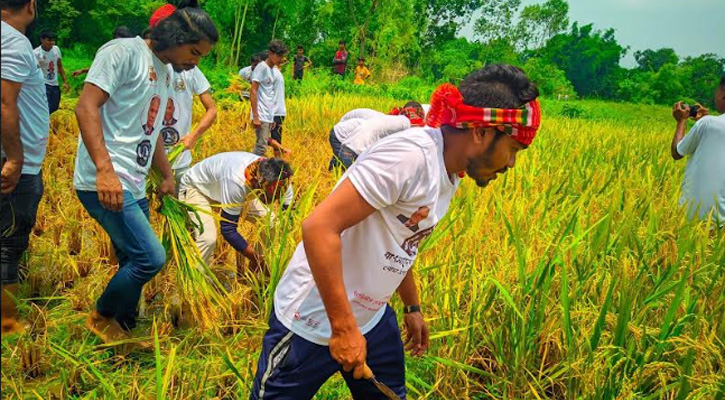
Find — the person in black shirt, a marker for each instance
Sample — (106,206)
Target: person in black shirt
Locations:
(301,62)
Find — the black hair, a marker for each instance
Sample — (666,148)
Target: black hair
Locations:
(274,169)
(299,47)
(342,42)
(146,34)
(184,3)
(263,55)
(498,86)
(361,58)
(184,26)
(122,32)
(13,4)
(277,47)
(48,34)
(722,82)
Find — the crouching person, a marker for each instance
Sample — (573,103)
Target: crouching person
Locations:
(131,78)
(243,184)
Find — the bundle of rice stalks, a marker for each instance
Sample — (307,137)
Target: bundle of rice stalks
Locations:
(200,291)
(198,287)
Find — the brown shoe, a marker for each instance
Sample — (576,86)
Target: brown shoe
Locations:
(107,329)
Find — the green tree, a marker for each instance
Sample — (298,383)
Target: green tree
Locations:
(540,22)
(653,60)
(589,58)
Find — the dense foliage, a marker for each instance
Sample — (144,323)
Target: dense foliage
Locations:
(419,38)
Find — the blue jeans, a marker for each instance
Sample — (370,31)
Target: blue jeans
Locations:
(140,254)
(341,154)
(291,368)
(17,217)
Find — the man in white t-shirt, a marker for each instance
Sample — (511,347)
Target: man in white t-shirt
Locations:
(244,183)
(116,150)
(279,114)
(24,124)
(50,61)
(331,311)
(263,95)
(703,188)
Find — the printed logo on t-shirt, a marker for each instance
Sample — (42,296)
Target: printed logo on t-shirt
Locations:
(152,75)
(143,153)
(51,71)
(170,134)
(418,216)
(410,245)
(151,113)
(180,85)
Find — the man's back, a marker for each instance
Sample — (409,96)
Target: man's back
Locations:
(703,187)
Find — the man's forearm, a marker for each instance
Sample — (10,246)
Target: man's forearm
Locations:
(679,135)
(407,290)
(10,133)
(61,70)
(255,101)
(324,253)
(89,122)
(206,122)
(160,161)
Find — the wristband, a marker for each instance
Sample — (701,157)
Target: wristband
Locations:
(411,309)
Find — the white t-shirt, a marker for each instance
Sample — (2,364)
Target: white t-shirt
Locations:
(361,113)
(246,73)
(19,65)
(48,61)
(221,178)
(138,84)
(403,176)
(281,108)
(704,182)
(266,92)
(372,130)
(177,118)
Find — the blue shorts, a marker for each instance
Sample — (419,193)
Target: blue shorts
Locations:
(293,368)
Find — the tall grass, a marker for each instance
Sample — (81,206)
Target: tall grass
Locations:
(576,275)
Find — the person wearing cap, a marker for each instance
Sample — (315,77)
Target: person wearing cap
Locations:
(176,126)
(359,245)
(117,147)
(24,124)
(51,62)
(244,184)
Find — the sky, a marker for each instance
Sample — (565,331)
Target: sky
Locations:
(691,27)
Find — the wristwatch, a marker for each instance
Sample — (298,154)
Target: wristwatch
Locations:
(411,309)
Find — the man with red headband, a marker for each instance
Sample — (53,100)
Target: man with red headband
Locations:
(184,86)
(331,311)
(243,183)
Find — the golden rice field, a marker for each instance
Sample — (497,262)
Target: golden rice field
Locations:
(576,276)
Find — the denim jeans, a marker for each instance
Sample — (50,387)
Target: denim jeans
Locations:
(341,154)
(140,254)
(17,217)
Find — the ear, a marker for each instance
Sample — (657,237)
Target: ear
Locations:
(479,135)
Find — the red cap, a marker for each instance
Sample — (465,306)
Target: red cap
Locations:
(162,12)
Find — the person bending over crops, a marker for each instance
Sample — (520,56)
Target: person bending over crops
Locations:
(359,129)
(703,187)
(263,95)
(115,152)
(243,183)
(331,309)
(246,72)
(179,109)
(24,132)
